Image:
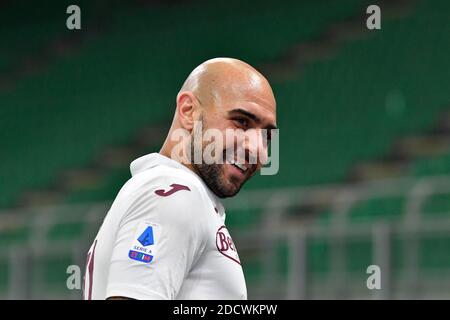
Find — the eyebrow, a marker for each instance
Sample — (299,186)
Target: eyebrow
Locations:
(251,116)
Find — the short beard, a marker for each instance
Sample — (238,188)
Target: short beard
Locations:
(211,174)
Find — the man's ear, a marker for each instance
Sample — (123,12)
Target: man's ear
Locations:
(186,107)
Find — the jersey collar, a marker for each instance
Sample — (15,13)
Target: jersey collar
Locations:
(155,159)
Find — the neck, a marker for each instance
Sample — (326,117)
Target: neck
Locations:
(167,151)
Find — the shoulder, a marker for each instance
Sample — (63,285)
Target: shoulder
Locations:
(162,192)
(162,181)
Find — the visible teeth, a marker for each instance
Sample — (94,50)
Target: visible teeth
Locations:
(240,166)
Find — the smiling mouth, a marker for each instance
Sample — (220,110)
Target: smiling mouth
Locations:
(240,166)
(246,169)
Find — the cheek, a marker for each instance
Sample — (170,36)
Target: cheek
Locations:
(228,143)
(221,139)
(263,155)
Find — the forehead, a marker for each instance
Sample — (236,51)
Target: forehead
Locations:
(261,103)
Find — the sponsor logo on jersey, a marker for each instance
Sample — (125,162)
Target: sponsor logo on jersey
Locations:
(174,188)
(143,248)
(225,244)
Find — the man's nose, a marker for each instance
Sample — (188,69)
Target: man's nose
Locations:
(255,147)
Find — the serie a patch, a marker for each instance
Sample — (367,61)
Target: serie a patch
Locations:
(145,240)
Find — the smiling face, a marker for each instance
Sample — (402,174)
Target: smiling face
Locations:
(239,99)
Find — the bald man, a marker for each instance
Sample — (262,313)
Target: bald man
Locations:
(164,236)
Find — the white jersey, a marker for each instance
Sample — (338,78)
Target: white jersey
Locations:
(164,237)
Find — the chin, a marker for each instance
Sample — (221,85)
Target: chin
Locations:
(231,192)
(217,181)
(229,189)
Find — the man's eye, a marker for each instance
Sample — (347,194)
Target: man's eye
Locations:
(242,122)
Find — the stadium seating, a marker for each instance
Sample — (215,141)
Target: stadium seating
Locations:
(27,34)
(332,114)
(118,83)
(367,99)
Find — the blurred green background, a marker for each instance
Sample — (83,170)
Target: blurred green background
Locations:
(364,137)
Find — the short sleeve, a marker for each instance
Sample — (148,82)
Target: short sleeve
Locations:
(159,238)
